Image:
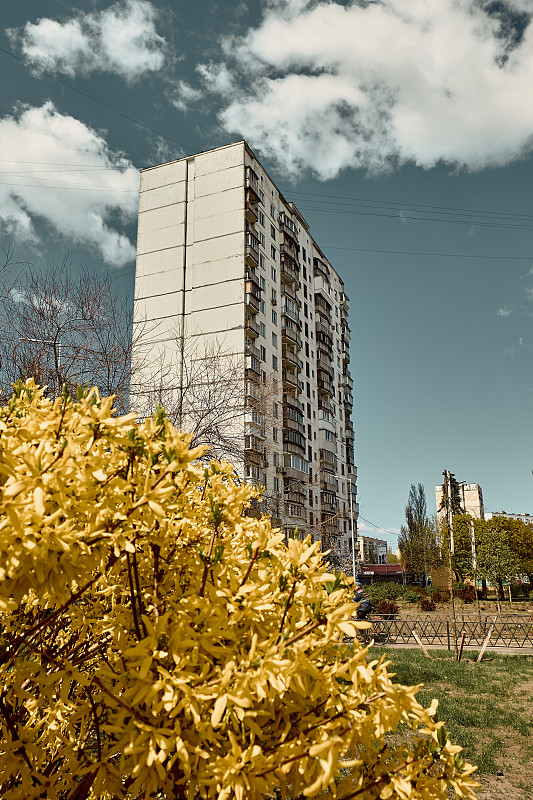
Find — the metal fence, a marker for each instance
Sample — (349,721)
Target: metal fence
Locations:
(513,630)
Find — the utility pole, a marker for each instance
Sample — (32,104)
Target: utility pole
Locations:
(448,491)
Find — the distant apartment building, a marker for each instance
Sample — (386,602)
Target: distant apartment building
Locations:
(471,500)
(224,259)
(524,517)
(371,550)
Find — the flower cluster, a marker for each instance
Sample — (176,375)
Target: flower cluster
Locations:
(157,642)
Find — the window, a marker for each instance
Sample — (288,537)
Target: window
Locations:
(309,432)
(273,297)
(306,328)
(261,283)
(275,410)
(274,317)
(309,452)
(274,339)
(305,291)
(261,218)
(304,273)
(261,237)
(307,371)
(275,434)
(272,251)
(304,253)
(263,352)
(274,362)
(262,306)
(276,480)
(261,329)
(309,411)
(329,436)
(307,349)
(308,389)
(306,310)
(261,260)
(272,211)
(273,273)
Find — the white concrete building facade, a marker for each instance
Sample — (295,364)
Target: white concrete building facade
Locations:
(471,500)
(223,259)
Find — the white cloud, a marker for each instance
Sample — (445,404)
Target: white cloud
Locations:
(185,95)
(75,186)
(121,39)
(328,85)
(503,312)
(529,293)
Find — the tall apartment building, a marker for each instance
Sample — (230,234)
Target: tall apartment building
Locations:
(471,500)
(224,258)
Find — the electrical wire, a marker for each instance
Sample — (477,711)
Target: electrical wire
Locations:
(95,99)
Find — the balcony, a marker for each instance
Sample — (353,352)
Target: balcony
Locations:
(296,405)
(290,335)
(295,449)
(251,303)
(322,286)
(251,250)
(295,494)
(291,358)
(251,210)
(291,379)
(293,315)
(288,249)
(286,230)
(289,269)
(325,384)
(252,350)
(346,380)
(320,269)
(251,183)
(251,327)
(295,511)
(294,425)
(322,305)
(323,361)
(329,501)
(344,301)
(287,291)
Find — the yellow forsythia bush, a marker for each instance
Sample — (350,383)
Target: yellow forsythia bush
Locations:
(156,643)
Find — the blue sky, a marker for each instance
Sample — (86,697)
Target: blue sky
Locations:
(403,130)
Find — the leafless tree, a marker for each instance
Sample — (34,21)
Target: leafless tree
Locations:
(61,328)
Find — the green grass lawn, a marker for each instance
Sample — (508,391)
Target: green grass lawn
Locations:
(487,707)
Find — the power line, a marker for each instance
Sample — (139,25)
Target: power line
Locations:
(378,527)
(95,99)
(478,223)
(396,203)
(419,253)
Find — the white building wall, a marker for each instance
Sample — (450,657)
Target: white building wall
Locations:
(196,217)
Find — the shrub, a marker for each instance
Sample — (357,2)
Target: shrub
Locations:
(383,591)
(411,597)
(155,642)
(441,596)
(427,605)
(467,595)
(387,608)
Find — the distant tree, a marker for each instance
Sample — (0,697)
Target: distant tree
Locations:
(392,558)
(455,495)
(496,561)
(417,541)
(520,541)
(462,563)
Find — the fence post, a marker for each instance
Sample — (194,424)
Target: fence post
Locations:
(448,632)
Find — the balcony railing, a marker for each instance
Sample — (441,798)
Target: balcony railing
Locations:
(251,302)
(289,269)
(291,379)
(252,350)
(251,327)
(291,335)
(252,183)
(286,291)
(292,358)
(251,209)
(322,305)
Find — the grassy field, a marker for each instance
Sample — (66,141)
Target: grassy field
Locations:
(487,708)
